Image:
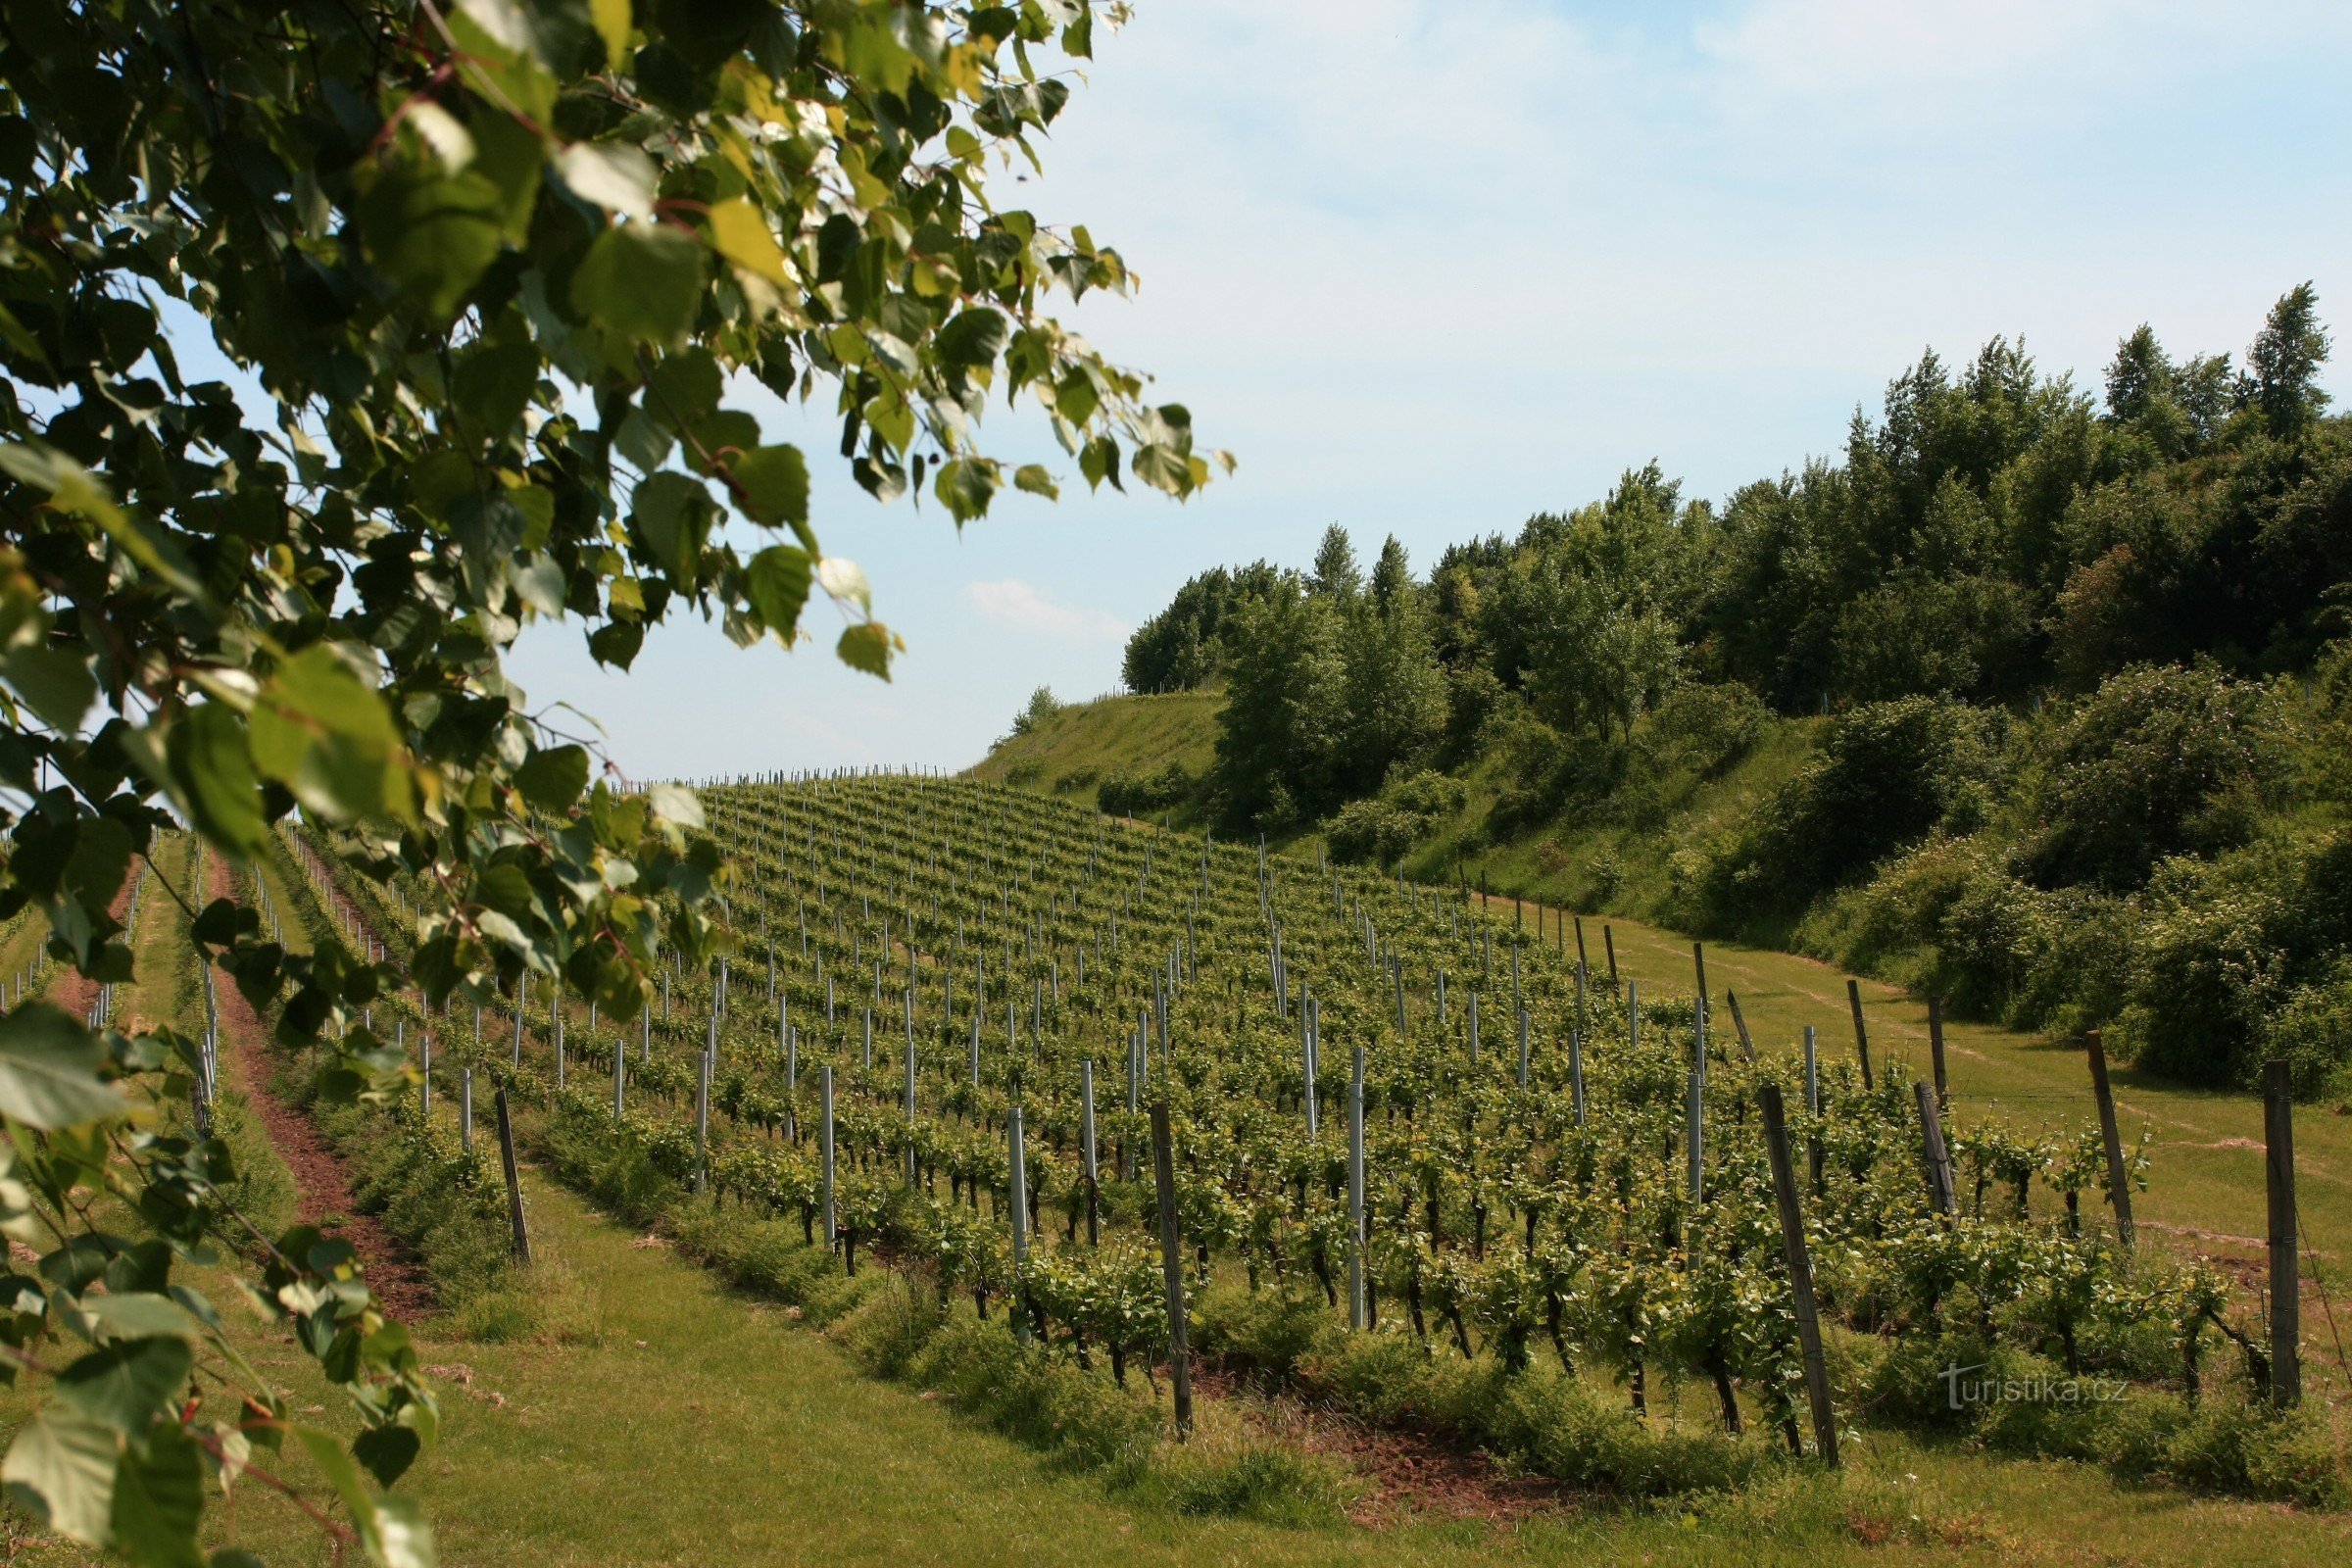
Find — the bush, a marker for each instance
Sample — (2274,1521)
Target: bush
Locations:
(1702,728)
(1886,775)
(1272,1332)
(1382,830)
(2160,761)
(2311,1033)
(1130,795)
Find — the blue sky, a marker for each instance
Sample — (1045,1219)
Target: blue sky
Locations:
(1428,266)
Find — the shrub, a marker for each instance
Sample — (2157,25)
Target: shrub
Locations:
(2160,761)
(1132,795)
(1885,775)
(1702,727)
(2311,1033)
(1371,831)
(2206,973)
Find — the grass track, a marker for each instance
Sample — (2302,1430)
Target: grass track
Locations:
(705,1428)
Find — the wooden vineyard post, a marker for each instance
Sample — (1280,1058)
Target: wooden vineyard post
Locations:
(506,1159)
(1017,1181)
(1747,1045)
(824,1154)
(2119,1187)
(1853,997)
(1633,1015)
(1800,1273)
(1580,964)
(1085,1150)
(1355,1191)
(1608,940)
(2278,1164)
(1699,967)
(1936,1153)
(1171,1257)
(1943,1092)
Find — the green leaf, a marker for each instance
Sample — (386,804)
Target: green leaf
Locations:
(869,646)
(641,280)
(676,804)
(975,337)
(49,1070)
(776,581)
(774,484)
(136,1315)
(387,1451)
(394,1533)
(553,778)
(613,23)
(1033,478)
(494,384)
(61,1469)
(431,235)
(127,1384)
(53,682)
(671,513)
(966,486)
(213,775)
(324,734)
(739,231)
(159,1500)
(614,176)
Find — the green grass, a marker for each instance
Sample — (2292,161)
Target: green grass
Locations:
(1075,750)
(706,1427)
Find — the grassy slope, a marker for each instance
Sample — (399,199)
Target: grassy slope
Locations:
(1099,740)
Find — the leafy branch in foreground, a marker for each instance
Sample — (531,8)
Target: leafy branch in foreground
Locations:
(484,274)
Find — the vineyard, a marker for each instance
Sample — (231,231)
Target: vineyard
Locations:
(1431,1162)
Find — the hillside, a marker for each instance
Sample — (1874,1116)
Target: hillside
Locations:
(1076,749)
(1898,841)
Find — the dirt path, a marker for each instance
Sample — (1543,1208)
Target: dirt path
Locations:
(320,1179)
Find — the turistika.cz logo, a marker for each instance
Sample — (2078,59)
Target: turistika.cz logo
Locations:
(1963,1391)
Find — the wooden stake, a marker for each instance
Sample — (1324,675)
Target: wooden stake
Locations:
(1943,1092)
(2119,1187)
(1853,996)
(505,1158)
(1935,1155)
(1171,1256)
(2278,1164)
(824,1154)
(1748,1047)
(1356,1192)
(1018,1184)
(1800,1273)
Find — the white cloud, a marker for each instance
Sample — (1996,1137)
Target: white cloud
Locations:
(1014,604)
